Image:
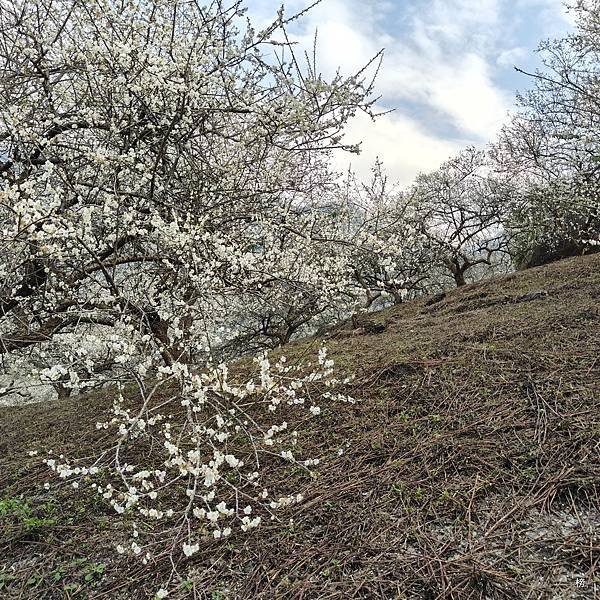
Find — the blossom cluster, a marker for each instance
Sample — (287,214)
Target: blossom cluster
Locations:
(205,479)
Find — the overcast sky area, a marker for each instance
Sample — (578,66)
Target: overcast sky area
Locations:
(448,69)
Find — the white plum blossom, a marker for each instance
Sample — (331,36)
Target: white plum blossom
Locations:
(190,549)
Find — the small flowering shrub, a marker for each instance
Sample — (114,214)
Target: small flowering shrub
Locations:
(213,442)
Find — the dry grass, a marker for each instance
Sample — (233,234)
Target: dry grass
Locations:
(470,468)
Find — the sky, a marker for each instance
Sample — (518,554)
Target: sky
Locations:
(448,69)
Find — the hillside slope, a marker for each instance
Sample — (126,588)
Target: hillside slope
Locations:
(469,468)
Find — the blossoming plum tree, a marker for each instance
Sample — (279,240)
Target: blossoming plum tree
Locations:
(549,149)
(160,162)
(154,156)
(388,254)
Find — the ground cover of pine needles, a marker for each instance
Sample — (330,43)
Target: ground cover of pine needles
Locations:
(469,467)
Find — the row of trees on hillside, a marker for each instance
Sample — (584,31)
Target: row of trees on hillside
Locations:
(167,204)
(165,182)
(532,196)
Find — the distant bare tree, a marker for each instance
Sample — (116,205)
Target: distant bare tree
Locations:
(459,209)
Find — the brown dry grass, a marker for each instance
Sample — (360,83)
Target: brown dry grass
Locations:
(470,468)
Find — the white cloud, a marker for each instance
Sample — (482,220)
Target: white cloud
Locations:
(552,13)
(444,64)
(441,61)
(428,64)
(452,18)
(512,56)
(399,142)
(460,90)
